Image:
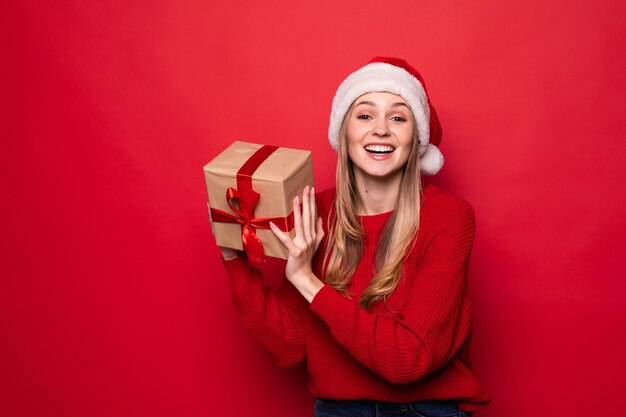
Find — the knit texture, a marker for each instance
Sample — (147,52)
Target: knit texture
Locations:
(416,346)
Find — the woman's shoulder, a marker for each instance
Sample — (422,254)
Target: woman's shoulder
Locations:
(445,206)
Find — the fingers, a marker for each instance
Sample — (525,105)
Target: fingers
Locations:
(307,226)
(306,214)
(297,217)
(210,219)
(313,212)
(320,232)
(283,237)
(229,254)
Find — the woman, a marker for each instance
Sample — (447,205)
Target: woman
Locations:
(379,303)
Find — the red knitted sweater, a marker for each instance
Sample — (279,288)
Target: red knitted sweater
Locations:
(416,347)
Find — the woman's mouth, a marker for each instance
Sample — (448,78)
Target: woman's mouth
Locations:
(379,149)
(379,152)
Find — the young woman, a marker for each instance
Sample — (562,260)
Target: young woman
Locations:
(378,301)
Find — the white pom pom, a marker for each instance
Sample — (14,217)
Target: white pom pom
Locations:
(431,160)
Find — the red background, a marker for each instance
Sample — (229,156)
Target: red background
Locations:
(113,301)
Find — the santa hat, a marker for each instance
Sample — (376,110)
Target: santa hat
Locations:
(393,75)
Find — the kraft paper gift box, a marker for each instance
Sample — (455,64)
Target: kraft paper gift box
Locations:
(249,185)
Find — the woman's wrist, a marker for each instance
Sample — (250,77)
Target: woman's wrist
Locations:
(308,285)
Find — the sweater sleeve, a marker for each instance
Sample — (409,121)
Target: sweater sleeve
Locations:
(273,318)
(434,321)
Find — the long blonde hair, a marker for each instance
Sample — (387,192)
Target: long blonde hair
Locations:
(344,248)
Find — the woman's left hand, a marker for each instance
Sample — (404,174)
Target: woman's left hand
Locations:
(309,234)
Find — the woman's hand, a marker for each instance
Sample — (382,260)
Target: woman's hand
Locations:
(229,254)
(309,234)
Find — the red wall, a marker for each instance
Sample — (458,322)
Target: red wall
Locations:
(113,301)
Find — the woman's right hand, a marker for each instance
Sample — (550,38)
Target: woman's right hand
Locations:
(229,254)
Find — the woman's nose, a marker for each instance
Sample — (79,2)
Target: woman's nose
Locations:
(380,127)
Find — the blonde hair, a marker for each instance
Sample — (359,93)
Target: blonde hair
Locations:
(344,249)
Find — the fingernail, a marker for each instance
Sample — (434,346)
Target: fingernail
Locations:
(313,190)
(297,200)
(272,224)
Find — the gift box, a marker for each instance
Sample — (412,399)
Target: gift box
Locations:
(250,185)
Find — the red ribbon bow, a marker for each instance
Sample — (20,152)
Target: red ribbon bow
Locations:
(243,201)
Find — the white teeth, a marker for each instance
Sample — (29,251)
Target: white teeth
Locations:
(379,148)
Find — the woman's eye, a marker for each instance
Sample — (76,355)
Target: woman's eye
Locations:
(399,119)
(364,116)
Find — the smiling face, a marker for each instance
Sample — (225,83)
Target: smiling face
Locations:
(380,135)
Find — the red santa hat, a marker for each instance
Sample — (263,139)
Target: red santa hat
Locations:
(393,75)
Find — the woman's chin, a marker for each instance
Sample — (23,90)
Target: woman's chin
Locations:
(380,173)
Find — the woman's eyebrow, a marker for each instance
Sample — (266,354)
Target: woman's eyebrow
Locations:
(398,104)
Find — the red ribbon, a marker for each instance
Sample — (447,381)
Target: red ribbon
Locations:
(247,199)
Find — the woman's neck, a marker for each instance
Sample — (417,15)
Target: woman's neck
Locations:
(376,195)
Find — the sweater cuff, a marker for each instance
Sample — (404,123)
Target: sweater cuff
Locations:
(326,304)
(234,264)
(239,268)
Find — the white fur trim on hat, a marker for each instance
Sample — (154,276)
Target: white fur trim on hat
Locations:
(383,77)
